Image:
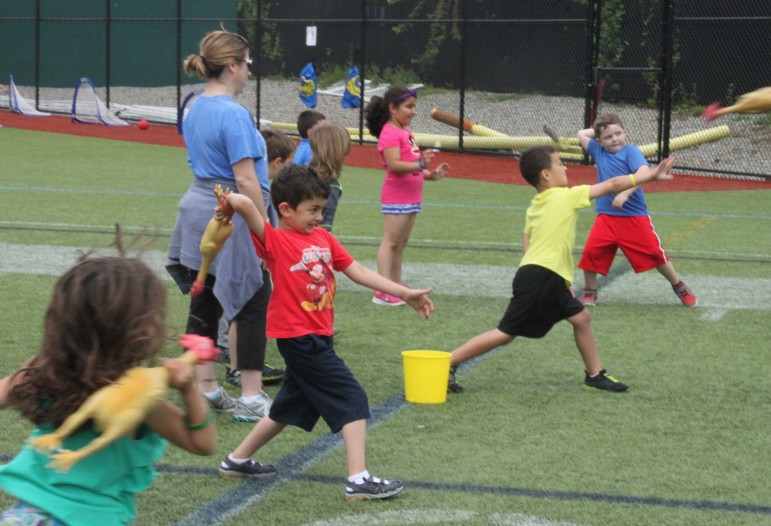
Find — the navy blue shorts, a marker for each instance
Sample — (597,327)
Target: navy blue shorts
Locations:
(540,298)
(317,383)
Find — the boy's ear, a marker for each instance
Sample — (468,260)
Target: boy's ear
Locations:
(284,210)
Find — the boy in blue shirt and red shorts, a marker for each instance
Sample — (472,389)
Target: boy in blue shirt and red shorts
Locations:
(622,221)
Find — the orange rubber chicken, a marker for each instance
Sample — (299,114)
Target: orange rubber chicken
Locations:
(212,241)
(118,409)
(753,102)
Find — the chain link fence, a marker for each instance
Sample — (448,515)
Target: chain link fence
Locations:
(516,70)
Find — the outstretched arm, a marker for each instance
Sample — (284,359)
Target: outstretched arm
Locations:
(619,184)
(417,298)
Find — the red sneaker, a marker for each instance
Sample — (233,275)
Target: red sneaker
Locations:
(589,297)
(685,294)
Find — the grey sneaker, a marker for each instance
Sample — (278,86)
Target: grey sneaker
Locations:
(252,412)
(373,488)
(223,402)
(250,468)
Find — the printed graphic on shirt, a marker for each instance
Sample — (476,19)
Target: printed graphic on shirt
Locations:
(320,289)
(415,151)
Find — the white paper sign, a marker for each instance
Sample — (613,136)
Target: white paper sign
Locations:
(310,36)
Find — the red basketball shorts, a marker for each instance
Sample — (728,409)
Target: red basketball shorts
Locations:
(636,238)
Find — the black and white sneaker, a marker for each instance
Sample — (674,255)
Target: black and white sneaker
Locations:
(373,488)
(250,468)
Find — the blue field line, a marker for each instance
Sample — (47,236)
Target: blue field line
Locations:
(290,468)
(604,498)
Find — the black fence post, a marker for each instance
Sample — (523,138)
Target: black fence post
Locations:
(462,80)
(362,70)
(37,55)
(107,28)
(665,100)
(594,21)
(178,65)
(258,60)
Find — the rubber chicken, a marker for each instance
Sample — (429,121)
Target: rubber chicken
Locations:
(118,409)
(212,241)
(753,102)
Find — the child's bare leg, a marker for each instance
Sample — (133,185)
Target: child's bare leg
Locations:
(355,441)
(261,434)
(207,378)
(396,233)
(668,271)
(590,280)
(587,345)
(480,344)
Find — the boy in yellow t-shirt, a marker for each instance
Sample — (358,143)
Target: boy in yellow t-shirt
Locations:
(542,293)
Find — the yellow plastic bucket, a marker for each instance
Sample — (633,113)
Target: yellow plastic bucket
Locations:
(425,376)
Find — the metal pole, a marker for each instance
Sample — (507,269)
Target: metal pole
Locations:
(594,20)
(258,60)
(463,35)
(665,99)
(362,69)
(178,64)
(107,51)
(37,55)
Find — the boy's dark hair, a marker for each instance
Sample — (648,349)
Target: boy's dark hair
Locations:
(376,114)
(106,315)
(533,161)
(297,183)
(603,121)
(278,144)
(307,120)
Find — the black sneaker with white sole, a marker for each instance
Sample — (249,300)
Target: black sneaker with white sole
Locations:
(373,488)
(250,468)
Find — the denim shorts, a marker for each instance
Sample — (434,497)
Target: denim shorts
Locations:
(22,514)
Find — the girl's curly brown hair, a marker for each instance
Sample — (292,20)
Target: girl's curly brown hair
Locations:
(106,315)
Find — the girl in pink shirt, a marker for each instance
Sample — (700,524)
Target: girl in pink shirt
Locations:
(388,118)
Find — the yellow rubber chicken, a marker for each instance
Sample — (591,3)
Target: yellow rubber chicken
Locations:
(118,409)
(753,102)
(212,241)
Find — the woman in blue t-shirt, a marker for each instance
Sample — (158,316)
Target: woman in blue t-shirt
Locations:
(225,148)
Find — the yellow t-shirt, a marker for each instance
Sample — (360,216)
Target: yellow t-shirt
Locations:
(550,223)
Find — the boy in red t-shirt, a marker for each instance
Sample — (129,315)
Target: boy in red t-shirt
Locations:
(301,257)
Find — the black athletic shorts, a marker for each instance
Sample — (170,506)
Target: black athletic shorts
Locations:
(540,298)
(317,383)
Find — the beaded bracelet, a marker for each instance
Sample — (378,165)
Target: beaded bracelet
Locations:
(195,427)
(421,165)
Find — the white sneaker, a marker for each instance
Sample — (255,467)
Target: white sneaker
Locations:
(254,411)
(222,403)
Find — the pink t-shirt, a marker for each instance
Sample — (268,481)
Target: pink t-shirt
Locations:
(405,188)
(304,282)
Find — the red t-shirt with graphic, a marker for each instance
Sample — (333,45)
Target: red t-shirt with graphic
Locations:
(304,283)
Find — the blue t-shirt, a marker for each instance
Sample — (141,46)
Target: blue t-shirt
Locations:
(303,154)
(218,134)
(624,162)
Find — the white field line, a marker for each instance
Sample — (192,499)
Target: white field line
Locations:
(719,294)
